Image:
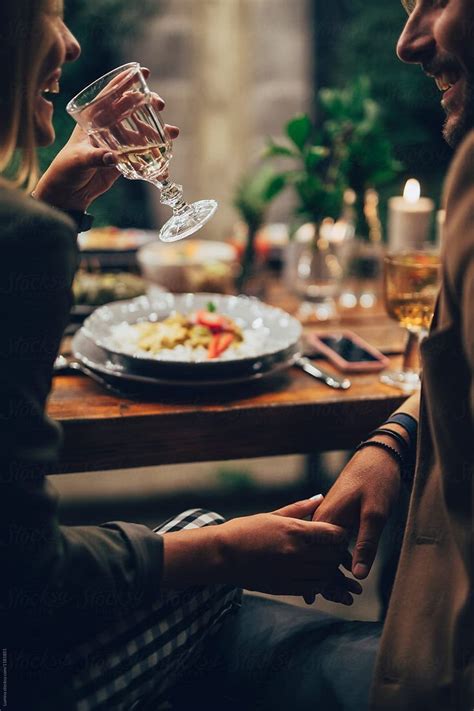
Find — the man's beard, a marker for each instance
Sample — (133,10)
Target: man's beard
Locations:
(455,133)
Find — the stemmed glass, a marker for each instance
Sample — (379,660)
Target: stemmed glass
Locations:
(118,111)
(411,285)
(317,273)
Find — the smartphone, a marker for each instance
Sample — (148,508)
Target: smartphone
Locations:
(348,351)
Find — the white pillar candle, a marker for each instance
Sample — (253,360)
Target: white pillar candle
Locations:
(409,219)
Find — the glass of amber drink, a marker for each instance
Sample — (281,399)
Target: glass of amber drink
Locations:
(411,285)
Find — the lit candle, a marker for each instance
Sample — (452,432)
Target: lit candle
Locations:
(409,218)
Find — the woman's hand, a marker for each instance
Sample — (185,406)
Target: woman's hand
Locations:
(278,553)
(81,172)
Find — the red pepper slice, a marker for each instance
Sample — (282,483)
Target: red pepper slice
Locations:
(214,322)
(220,342)
(211,320)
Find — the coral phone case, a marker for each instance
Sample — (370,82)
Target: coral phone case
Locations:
(360,366)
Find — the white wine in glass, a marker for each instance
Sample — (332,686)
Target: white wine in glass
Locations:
(411,285)
(118,111)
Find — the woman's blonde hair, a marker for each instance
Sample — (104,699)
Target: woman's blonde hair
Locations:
(25,39)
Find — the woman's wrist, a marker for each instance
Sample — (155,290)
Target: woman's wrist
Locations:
(61,202)
(194,557)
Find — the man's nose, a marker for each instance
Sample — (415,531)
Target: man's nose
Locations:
(417,42)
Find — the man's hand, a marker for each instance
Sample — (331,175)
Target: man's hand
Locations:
(361,501)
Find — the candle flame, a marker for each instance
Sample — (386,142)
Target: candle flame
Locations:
(412,191)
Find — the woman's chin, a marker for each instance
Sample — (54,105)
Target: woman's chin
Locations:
(44,128)
(45,136)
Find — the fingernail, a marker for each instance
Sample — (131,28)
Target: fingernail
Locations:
(317,497)
(361,570)
(109,159)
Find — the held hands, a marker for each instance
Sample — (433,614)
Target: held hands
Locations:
(283,554)
(81,172)
(361,501)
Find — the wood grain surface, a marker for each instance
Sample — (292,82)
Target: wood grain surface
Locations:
(290,413)
(287,414)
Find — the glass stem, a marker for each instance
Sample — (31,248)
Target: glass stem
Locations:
(172,195)
(411,357)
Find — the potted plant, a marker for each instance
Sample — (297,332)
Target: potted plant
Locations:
(252,199)
(319,184)
(346,148)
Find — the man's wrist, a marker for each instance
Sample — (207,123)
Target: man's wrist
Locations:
(408,423)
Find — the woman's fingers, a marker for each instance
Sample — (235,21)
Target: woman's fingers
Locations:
(340,589)
(89,156)
(157,102)
(346,561)
(173,131)
(300,509)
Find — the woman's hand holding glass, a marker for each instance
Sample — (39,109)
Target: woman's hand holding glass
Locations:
(119,113)
(81,171)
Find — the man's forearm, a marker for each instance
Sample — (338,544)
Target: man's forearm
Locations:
(411,406)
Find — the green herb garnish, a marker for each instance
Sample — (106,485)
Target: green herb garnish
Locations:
(211,307)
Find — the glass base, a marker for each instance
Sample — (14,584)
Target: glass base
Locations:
(189,221)
(408,381)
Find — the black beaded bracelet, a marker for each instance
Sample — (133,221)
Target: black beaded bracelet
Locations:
(395,435)
(393,452)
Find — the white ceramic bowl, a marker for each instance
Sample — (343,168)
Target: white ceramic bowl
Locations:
(279,334)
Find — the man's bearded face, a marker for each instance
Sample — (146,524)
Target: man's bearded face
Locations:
(439,35)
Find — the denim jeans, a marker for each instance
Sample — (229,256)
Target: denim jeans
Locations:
(271,655)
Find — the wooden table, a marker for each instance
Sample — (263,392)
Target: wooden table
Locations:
(287,414)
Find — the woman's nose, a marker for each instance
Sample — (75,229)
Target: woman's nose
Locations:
(73,48)
(417,42)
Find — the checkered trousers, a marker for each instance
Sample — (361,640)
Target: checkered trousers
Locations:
(132,664)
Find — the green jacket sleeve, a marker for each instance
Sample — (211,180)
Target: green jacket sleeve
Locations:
(59,582)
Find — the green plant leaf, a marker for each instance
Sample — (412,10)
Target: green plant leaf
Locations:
(315,155)
(273,150)
(299,130)
(274,187)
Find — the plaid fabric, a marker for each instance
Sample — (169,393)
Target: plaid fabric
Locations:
(132,664)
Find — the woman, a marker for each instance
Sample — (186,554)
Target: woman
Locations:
(90,616)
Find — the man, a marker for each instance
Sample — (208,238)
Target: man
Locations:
(281,658)
(426,654)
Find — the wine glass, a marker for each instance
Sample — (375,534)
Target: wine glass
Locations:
(118,111)
(411,285)
(317,273)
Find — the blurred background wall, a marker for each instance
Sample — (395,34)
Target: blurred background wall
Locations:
(232,72)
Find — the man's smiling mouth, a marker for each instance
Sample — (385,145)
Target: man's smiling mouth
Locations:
(446,80)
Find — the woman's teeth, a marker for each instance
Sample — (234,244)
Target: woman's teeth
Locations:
(51,88)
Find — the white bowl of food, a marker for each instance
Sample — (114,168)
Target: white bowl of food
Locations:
(193,335)
(192,265)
